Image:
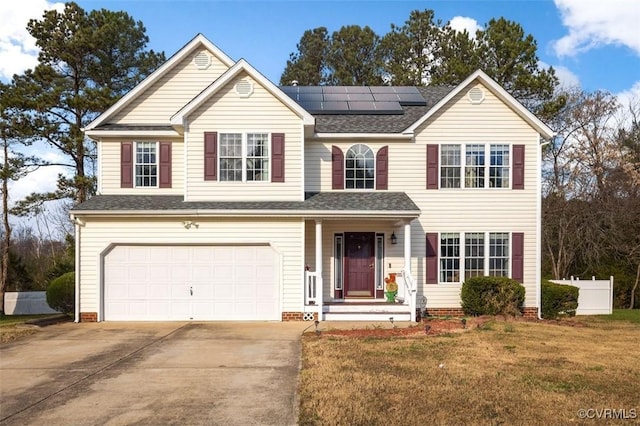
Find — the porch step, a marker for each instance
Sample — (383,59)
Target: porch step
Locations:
(359,307)
(358,311)
(367,316)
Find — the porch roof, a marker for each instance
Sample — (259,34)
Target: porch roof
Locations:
(323,204)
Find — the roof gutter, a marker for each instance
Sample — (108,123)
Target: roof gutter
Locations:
(328,214)
(402,136)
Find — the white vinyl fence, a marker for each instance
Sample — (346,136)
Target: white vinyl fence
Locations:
(26,303)
(595,297)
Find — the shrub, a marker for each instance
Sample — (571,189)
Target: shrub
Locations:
(492,296)
(558,300)
(61,293)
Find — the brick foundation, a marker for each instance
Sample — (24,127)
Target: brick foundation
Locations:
(529,313)
(296,316)
(88,317)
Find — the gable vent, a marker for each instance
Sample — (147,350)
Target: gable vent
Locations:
(244,88)
(202,60)
(476,95)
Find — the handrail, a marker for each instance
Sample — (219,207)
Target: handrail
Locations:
(310,288)
(410,286)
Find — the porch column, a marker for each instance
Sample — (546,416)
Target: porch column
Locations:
(408,276)
(319,281)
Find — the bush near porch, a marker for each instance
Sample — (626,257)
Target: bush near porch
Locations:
(492,296)
(505,372)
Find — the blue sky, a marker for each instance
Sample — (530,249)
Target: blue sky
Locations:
(592,43)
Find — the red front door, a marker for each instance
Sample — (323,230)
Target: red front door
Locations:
(359,264)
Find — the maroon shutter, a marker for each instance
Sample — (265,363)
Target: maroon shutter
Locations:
(126,165)
(517,256)
(432,166)
(165,165)
(431,256)
(277,157)
(210,155)
(337,168)
(382,168)
(518,167)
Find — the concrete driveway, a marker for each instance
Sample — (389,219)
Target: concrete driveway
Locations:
(153,373)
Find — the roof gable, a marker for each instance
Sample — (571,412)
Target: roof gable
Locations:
(241,66)
(200,41)
(499,92)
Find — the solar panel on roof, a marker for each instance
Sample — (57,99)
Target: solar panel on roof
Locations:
(303,97)
(385,97)
(334,89)
(309,89)
(361,106)
(381,89)
(335,107)
(411,99)
(289,89)
(360,97)
(405,89)
(388,107)
(336,97)
(357,89)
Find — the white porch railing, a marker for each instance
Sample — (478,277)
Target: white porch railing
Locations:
(410,292)
(310,288)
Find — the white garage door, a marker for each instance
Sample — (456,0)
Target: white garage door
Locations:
(160,283)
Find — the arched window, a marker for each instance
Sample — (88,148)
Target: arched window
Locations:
(359,168)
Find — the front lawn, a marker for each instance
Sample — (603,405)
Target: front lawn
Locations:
(13,327)
(503,372)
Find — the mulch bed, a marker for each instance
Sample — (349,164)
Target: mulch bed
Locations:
(428,327)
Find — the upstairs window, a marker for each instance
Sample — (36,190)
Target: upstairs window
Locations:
(360,168)
(146,164)
(477,171)
(244,157)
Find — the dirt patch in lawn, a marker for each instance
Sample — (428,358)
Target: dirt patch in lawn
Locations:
(428,327)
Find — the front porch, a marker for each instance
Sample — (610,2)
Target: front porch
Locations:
(350,263)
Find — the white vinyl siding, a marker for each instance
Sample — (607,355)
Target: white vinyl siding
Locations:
(171,92)
(228,112)
(284,236)
(460,210)
(109,171)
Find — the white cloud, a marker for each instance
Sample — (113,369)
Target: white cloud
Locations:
(630,97)
(18,50)
(593,23)
(567,78)
(461,23)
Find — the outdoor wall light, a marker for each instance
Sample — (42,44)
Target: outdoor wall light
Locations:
(394,239)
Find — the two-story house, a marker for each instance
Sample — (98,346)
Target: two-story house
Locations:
(222,196)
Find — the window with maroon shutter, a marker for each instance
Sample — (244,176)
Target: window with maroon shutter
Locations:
(165,165)
(277,157)
(126,165)
(517,256)
(432,166)
(210,155)
(431,256)
(382,168)
(518,167)
(337,168)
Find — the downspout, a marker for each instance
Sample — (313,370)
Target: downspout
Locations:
(539,230)
(77,222)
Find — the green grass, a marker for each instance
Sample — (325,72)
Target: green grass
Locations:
(7,320)
(630,315)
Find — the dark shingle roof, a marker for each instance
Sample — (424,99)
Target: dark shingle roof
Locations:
(348,202)
(380,123)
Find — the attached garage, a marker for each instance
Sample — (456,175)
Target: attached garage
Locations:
(177,283)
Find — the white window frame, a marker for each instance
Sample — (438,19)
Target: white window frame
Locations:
(462,258)
(355,179)
(136,164)
(245,158)
(338,259)
(465,170)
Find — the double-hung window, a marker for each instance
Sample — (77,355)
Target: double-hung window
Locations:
(360,168)
(244,157)
(483,254)
(482,165)
(146,164)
